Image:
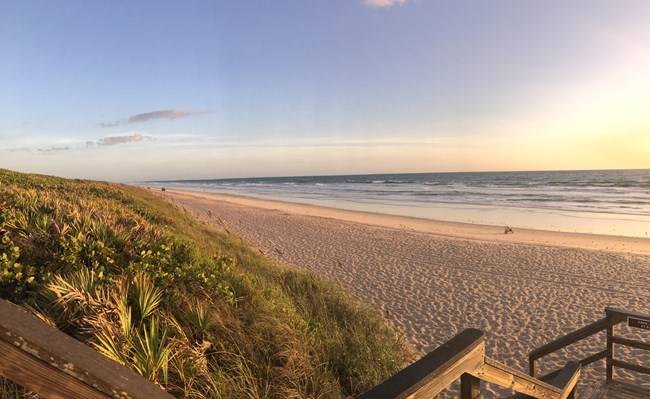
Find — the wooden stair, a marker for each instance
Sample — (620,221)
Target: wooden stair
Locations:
(463,358)
(614,390)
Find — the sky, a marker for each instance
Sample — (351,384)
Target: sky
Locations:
(149,90)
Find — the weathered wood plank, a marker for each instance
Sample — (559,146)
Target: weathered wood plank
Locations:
(569,339)
(584,362)
(631,343)
(613,317)
(61,353)
(566,378)
(470,387)
(594,358)
(634,367)
(620,315)
(532,371)
(40,377)
(465,364)
(609,357)
(507,377)
(435,371)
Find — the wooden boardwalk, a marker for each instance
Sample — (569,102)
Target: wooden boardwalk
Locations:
(463,357)
(615,390)
(56,366)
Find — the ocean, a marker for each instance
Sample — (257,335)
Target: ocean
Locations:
(612,202)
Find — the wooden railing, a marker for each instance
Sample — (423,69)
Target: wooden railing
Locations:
(54,365)
(609,322)
(463,357)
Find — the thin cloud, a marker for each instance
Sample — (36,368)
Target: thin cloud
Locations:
(383,3)
(112,124)
(53,149)
(43,147)
(169,114)
(114,140)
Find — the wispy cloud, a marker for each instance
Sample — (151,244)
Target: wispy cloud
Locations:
(114,140)
(48,146)
(112,124)
(53,149)
(19,149)
(169,114)
(383,3)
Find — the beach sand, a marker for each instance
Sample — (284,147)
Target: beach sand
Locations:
(435,279)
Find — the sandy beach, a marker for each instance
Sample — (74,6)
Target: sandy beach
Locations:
(434,279)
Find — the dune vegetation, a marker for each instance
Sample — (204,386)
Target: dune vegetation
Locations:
(193,309)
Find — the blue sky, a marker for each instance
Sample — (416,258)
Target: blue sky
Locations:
(128,91)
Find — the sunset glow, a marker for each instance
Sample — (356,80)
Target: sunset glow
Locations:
(231,90)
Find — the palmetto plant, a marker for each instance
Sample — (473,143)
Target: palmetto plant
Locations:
(73,299)
(198,315)
(151,351)
(137,279)
(148,296)
(89,306)
(111,346)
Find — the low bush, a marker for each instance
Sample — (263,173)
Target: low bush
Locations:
(94,259)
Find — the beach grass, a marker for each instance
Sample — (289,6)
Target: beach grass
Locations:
(195,310)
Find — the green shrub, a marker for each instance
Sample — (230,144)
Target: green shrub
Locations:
(192,309)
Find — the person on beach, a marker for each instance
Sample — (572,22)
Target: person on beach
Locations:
(508,230)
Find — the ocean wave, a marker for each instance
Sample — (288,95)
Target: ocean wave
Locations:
(386,182)
(589,191)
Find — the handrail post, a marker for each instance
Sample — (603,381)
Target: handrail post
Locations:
(572,394)
(610,353)
(531,366)
(470,387)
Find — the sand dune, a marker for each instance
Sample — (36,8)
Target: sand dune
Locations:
(435,279)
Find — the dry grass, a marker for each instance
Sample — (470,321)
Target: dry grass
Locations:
(94,258)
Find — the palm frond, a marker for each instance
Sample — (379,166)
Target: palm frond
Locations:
(199,316)
(148,295)
(151,351)
(110,347)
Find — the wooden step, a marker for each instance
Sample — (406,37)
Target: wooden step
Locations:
(614,390)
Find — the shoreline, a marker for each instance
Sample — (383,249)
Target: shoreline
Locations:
(610,203)
(459,230)
(435,279)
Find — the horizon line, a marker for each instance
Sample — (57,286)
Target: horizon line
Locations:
(392,173)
